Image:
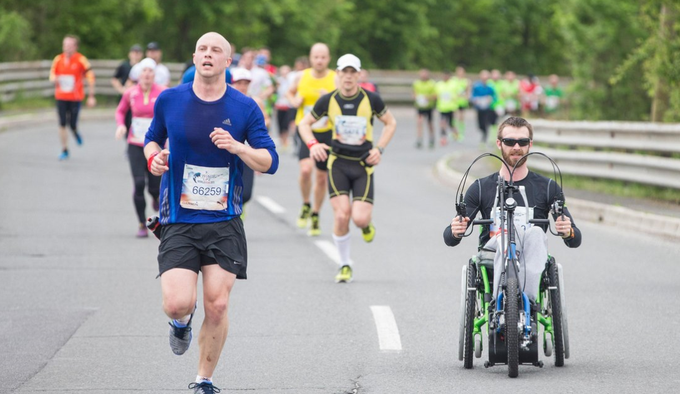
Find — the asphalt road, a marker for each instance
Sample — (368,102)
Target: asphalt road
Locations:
(80,308)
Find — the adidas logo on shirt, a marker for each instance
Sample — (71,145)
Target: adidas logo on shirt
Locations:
(227,122)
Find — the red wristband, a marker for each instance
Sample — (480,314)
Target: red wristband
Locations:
(311,143)
(148,162)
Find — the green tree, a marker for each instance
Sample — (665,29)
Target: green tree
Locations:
(15,43)
(598,36)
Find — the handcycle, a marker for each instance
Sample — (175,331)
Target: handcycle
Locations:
(511,320)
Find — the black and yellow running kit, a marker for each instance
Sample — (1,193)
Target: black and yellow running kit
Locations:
(351,121)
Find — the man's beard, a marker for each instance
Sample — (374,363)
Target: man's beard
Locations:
(511,161)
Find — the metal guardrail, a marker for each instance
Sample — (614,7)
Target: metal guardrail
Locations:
(31,79)
(614,147)
(626,151)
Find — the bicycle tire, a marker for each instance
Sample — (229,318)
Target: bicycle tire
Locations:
(461,319)
(563,306)
(511,299)
(470,303)
(556,308)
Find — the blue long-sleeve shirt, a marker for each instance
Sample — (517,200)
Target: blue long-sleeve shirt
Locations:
(483,96)
(204,183)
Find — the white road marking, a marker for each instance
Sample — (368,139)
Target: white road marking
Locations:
(329,249)
(270,205)
(388,333)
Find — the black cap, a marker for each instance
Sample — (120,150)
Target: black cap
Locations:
(136,48)
(153,46)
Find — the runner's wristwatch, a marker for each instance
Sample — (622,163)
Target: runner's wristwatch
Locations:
(380,149)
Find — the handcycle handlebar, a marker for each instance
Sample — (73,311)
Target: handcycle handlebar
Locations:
(539,221)
(480,222)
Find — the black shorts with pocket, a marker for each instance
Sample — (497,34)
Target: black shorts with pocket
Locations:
(193,245)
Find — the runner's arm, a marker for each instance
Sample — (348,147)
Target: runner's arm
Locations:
(291,94)
(261,155)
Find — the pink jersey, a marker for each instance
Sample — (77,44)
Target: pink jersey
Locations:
(142,111)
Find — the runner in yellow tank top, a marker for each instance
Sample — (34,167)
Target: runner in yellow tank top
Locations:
(311,84)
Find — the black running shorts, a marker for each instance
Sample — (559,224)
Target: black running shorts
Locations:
(323,138)
(447,116)
(193,245)
(426,113)
(350,175)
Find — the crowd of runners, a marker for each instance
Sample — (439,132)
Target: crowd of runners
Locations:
(491,96)
(200,170)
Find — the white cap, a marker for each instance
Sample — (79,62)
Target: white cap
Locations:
(147,62)
(349,60)
(240,74)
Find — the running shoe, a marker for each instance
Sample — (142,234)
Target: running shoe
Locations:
(444,141)
(314,230)
(204,388)
(142,233)
(368,233)
(180,337)
(304,216)
(431,144)
(63,156)
(344,274)
(419,144)
(79,140)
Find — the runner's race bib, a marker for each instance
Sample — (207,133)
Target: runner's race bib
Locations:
(511,105)
(66,83)
(351,130)
(320,124)
(139,128)
(205,188)
(483,102)
(552,102)
(521,219)
(422,101)
(445,96)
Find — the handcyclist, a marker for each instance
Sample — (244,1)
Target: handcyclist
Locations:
(140,100)
(308,86)
(537,192)
(353,155)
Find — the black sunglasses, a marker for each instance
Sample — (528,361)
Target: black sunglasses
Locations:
(511,141)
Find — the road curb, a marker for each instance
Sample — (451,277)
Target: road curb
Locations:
(35,118)
(611,215)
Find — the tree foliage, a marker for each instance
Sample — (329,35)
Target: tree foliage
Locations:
(614,50)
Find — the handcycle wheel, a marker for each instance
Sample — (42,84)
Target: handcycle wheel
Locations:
(470,303)
(511,299)
(461,324)
(563,305)
(547,344)
(556,307)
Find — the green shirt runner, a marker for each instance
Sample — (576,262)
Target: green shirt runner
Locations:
(447,100)
(425,92)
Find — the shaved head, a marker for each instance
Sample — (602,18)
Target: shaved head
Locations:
(215,38)
(319,48)
(319,57)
